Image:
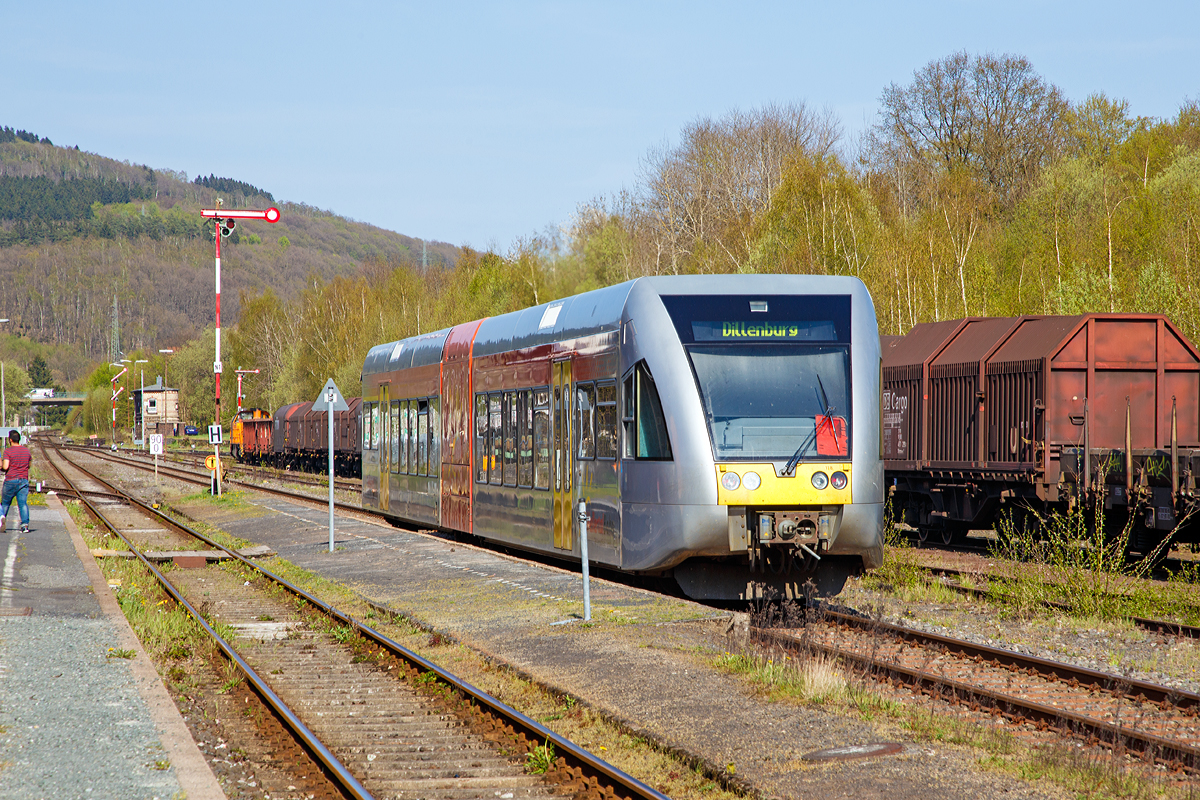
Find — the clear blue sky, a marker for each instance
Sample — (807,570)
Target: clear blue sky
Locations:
(478,123)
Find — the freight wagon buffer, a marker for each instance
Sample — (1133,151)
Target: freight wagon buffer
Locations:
(1035,413)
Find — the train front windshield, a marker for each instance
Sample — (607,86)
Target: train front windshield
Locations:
(773,373)
(769,402)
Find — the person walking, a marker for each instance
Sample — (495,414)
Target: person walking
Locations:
(15,465)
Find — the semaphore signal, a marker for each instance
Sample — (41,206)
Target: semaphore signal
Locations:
(225,225)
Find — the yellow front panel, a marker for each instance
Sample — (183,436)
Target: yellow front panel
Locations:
(795,490)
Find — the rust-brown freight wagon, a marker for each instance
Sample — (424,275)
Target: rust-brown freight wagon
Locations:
(1039,413)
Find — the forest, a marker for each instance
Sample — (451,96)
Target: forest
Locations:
(980,189)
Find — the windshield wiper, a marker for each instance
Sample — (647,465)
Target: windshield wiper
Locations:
(826,417)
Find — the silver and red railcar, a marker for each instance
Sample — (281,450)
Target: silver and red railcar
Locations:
(723,430)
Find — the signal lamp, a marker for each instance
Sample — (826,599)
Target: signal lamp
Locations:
(731,481)
(820,480)
(839,480)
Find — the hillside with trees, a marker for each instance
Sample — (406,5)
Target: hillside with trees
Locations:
(80,232)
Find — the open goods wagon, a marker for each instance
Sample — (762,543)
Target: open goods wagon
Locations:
(1039,413)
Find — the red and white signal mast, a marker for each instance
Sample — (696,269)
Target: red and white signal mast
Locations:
(226,220)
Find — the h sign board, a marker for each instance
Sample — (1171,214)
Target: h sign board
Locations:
(156,444)
(214,434)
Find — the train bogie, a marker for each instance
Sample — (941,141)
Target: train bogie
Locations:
(643,400)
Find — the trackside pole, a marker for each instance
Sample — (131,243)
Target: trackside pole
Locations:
(583,551)
(329,397)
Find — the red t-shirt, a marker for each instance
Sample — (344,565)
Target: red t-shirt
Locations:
(18,462)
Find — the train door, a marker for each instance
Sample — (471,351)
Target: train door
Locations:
(385,447)
(563,466)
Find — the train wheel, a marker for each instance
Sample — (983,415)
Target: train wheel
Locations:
(923,532)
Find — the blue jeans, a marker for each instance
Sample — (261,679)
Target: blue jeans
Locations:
(18,488)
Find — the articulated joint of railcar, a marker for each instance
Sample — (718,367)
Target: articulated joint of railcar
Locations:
(782,539)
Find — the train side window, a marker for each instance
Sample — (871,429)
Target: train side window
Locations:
(422,437)
(606,420)
(402,433)
(394,435)
(541,438)
(510,438)
(481,438)
(435,437)
(411,425)
(366,426)
(525,438)
(585,420)
(644,422)
(374,426)
(496,423)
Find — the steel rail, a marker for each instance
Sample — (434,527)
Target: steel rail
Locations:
(1170,752)
(342,775)
(1107,681)
(190,477)
(574,754)
(1167,627)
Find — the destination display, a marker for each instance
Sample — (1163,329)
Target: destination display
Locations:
(773,331)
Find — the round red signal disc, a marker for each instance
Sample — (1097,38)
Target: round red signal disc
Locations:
(272,215)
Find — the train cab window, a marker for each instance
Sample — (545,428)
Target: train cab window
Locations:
(525,438)
(510,438)
(435,437)
(643,418)
(541,438)
(481,438)
(394,435)
(402,437)
(585,420)
(606,420)
(496,454)
(422,437)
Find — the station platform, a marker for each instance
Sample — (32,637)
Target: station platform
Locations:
(76,722)
(645,660)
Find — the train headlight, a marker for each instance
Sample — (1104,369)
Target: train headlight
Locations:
(751,481)
(839,480)
(731,481)
(820,480)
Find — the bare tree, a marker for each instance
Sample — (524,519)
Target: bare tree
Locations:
(702,197)
(992,115)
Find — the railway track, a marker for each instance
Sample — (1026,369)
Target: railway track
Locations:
(1163,627)
(334,683)
(1160,722)
(249,471)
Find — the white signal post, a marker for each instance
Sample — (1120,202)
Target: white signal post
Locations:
(226,222)
(331,395)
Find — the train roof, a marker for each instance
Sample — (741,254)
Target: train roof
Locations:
(415,351)
(593,312)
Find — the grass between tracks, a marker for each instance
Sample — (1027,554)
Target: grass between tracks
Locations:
(817,680)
